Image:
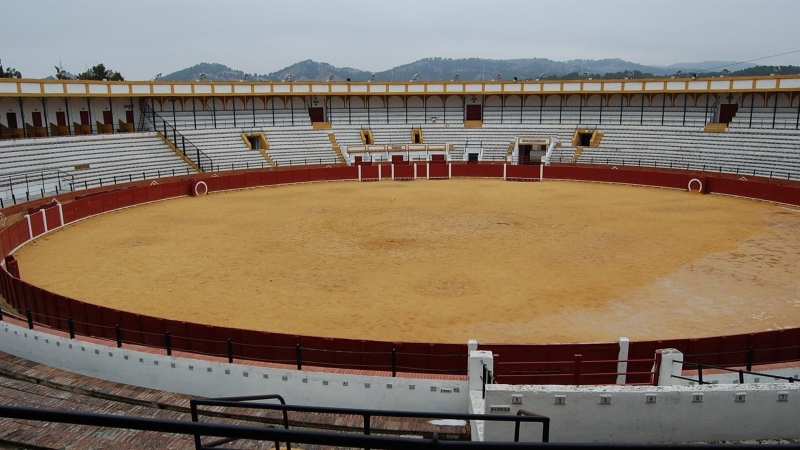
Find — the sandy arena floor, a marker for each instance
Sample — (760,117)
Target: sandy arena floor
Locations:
(440,261)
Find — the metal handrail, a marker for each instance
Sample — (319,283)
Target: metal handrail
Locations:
(741,373)
(367,414)
(197,156)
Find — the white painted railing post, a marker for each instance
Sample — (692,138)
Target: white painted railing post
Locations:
(359,172)
(477,359)
(504,172)
(30,228)
(671,364)
(392,171)
(622,363)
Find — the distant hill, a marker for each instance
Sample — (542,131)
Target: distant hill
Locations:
(213,72)
(446,68)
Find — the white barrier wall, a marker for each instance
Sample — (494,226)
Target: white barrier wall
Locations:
(649,413)
(214,379)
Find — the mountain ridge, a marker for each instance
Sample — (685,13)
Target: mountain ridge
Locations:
(430,69)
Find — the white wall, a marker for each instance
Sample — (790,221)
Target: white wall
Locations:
(628,417)
(212,379)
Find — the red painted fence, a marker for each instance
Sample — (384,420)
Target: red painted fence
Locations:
(54,310)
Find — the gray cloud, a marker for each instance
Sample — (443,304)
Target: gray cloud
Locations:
(141,38)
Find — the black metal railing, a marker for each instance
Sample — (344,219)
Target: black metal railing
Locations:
(741,373)
(367,415)
(33,185)
(181,142)
(682,165)
(486,378)
(307,437)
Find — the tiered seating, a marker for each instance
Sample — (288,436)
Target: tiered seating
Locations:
(783,118)
(767,154)
(226,148)
(69,163)
(651,115)
(563,154)
(203,120)
(300,145)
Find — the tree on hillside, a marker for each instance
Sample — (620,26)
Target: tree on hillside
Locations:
(99,72)
(62,74)
(9,73)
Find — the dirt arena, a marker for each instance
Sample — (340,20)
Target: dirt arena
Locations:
(440,261)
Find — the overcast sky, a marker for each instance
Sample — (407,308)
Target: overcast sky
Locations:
(140,38)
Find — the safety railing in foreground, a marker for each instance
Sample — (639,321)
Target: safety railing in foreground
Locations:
(321,438)
(386,360)
(366,414)
(740,372)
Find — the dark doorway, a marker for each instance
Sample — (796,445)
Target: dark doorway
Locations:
(316,114)
(108,118)
(472,158)
(474,112)
(255,142)
(61,118)
(416,136)
(524,154)
(85,118)
(129,116)
(584,139)
(11,118)
(727,112)
(36,116)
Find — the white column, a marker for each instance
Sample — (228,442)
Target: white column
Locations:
(380,170)
(428,170)
(449,171)
(392,171)
(622,364)
(541,172)
(30,229)
(472,345)
(44,218)
(60,213)
(504,172)
(359,172)
(475,370)
(671,364)
(415,171)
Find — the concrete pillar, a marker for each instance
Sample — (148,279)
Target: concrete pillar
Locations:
(671,364)
(475,371)
(472,346)
(622,363)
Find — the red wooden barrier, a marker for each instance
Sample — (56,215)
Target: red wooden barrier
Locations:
(37,225)
(404,172)
(369,172)
(53,218)
(439,171)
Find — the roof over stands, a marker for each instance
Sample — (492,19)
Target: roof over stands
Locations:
(68,88)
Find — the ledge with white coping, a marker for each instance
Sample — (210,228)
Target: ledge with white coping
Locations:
(649,413)
(217,379)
